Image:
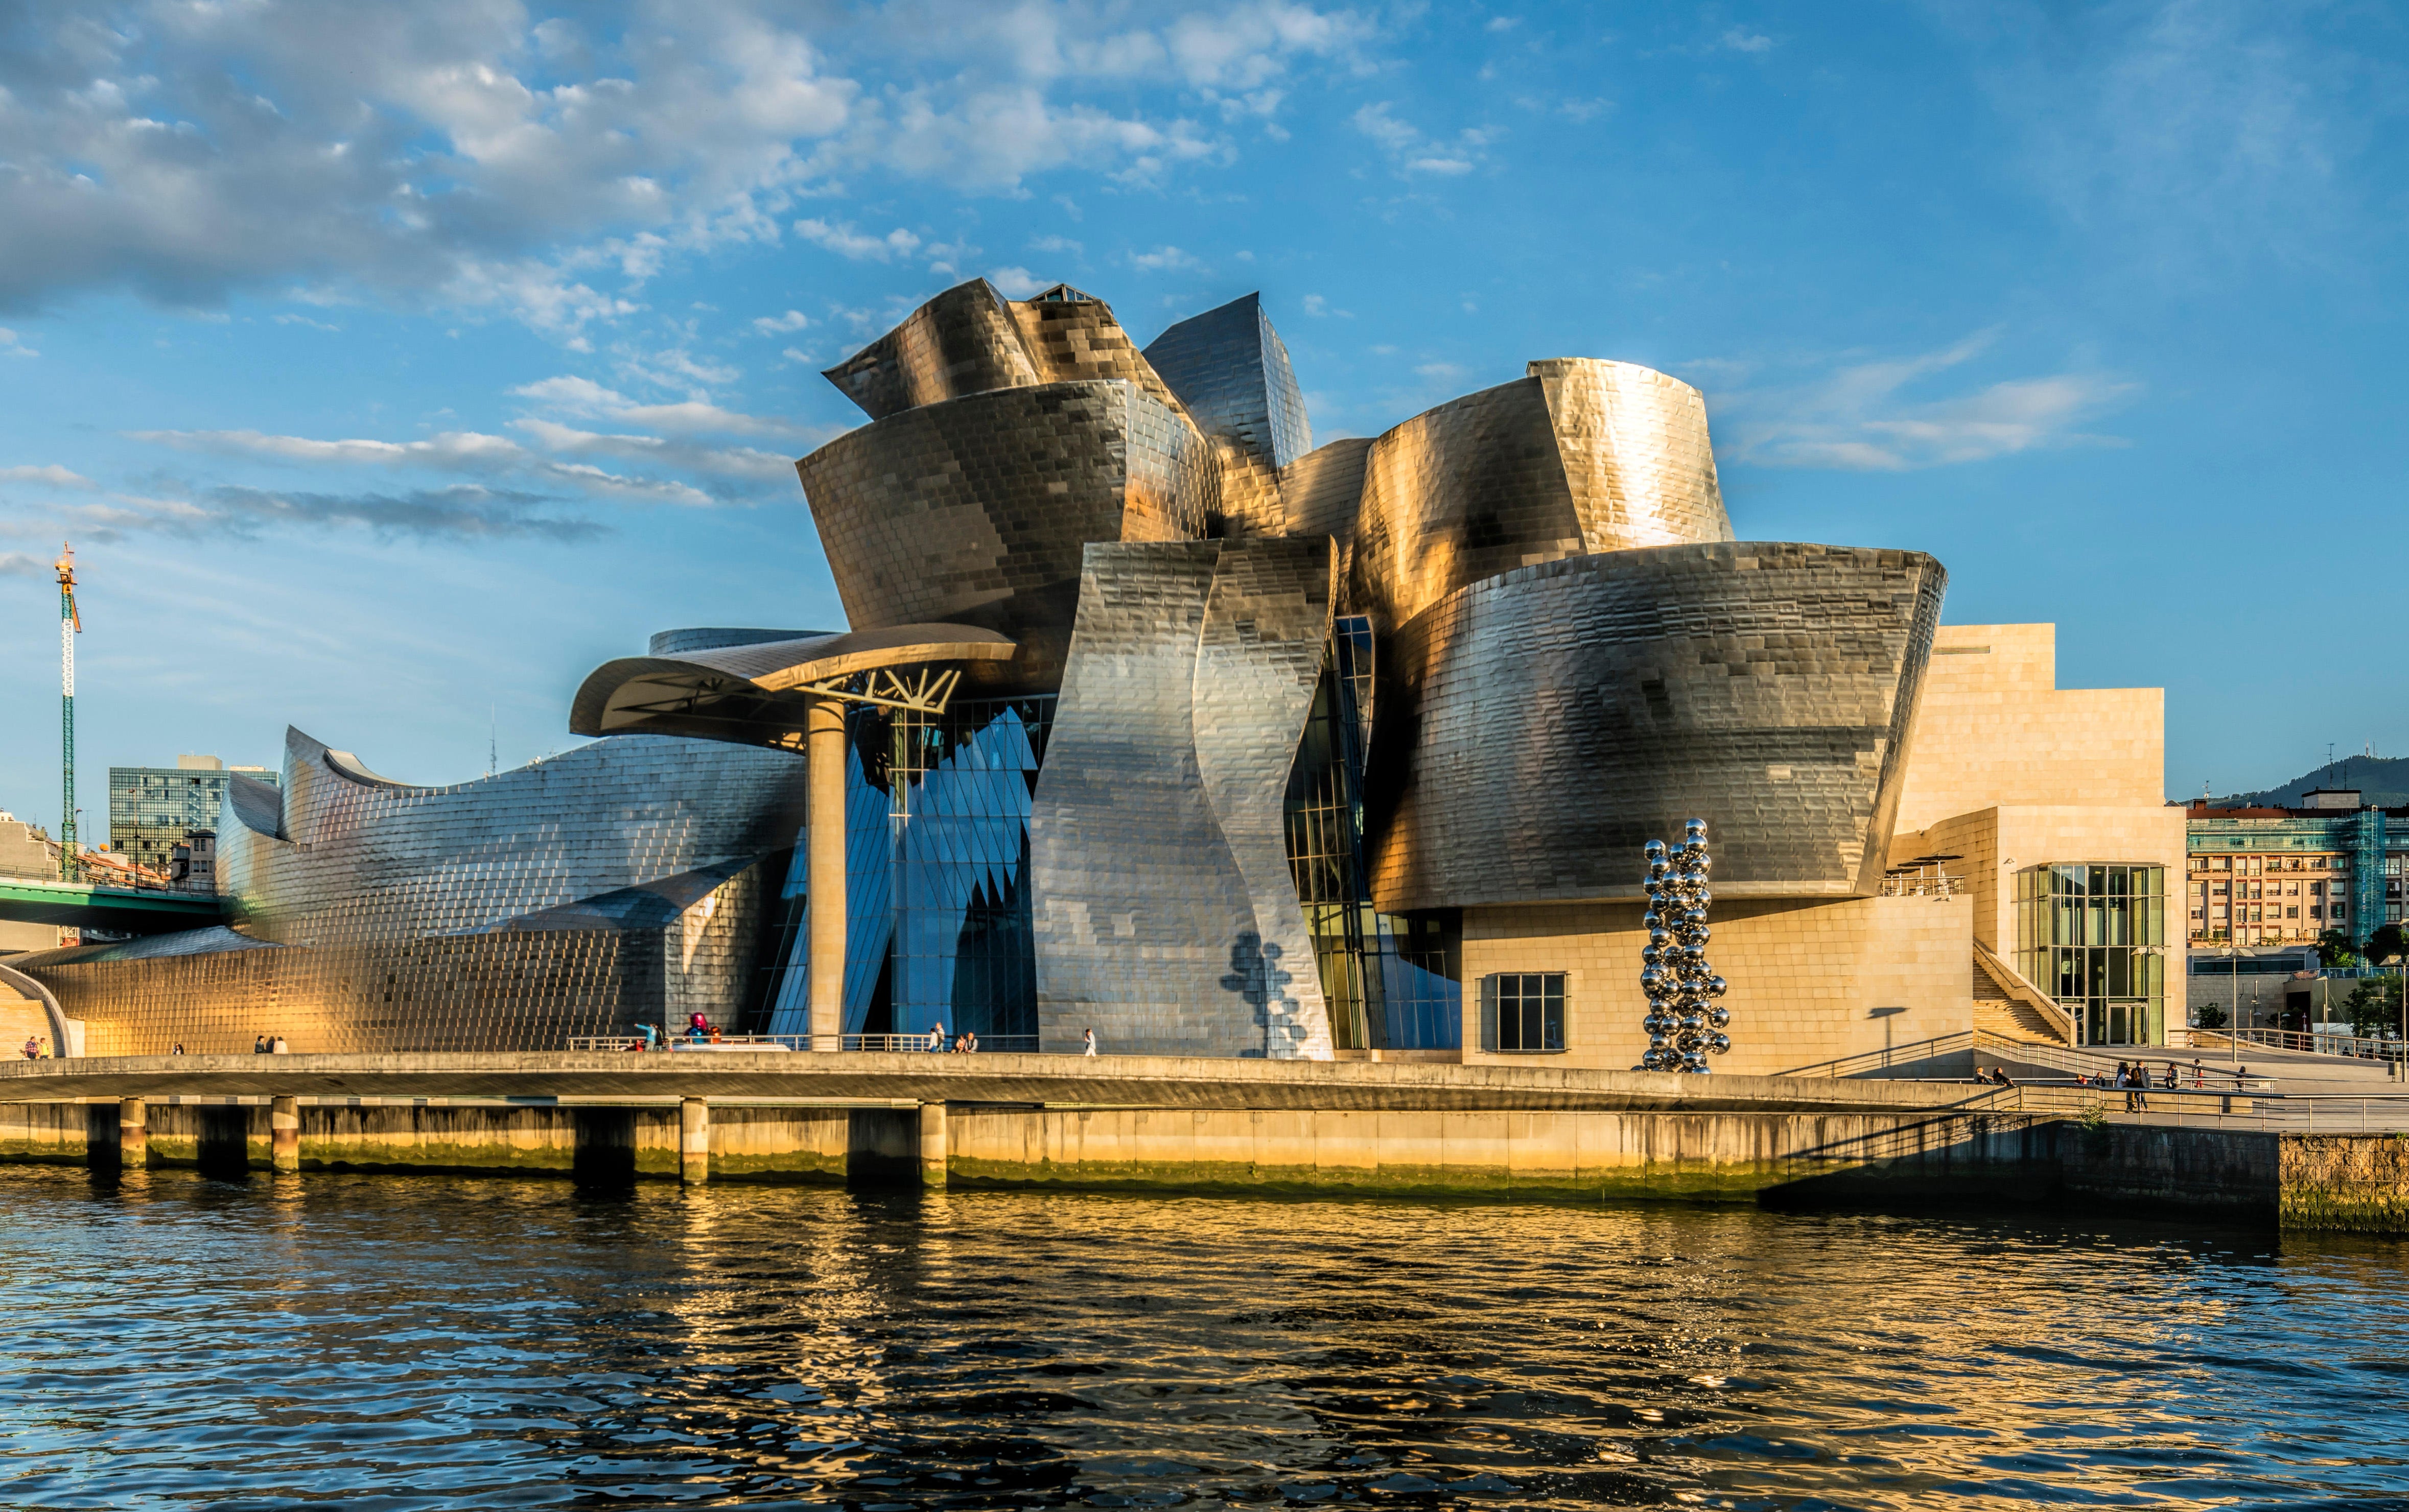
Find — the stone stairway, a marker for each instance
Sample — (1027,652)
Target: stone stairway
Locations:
(2000,1011)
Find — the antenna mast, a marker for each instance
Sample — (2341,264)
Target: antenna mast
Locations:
(70,625)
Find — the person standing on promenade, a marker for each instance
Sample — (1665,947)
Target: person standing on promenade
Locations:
(33,1048)
(936,1038)
(1089,1048)
(2172,1080)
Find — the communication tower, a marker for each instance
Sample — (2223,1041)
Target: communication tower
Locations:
(70,626)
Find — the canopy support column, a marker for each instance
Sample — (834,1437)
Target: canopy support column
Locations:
(824,868)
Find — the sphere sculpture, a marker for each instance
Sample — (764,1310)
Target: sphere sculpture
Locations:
(1685,1023)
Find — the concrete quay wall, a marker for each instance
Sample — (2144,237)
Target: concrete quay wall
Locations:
(2352,1182)
(1714,1157)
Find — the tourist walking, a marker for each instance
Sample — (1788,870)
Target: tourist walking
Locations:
(33,1048)
(2172,1080)
(936,1037)
(1089,1048)
(179,1049)
(2199,1075)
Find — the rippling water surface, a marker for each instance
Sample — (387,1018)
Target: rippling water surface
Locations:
(394,1342)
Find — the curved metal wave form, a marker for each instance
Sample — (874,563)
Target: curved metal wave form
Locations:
(1164,916)
(366,860)
(975,511)
(1544,721)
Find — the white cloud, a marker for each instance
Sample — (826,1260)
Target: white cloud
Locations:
(843,240)
(1860,416)
(690,417)
(1740,40)
(19,565)
(1162,260)
(289,318)
(1062,246)
(793,320)
(460,155)
(49,474)
(1319,306)
(1017,282)
(1412,151)
(11,347)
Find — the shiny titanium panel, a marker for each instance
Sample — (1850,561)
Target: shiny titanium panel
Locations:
(1543,723)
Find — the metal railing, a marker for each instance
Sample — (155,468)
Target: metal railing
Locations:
(2355,1046)
(687,1044)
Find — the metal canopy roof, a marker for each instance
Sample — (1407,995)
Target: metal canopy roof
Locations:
(755,694)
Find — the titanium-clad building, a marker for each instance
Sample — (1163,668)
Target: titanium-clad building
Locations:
(1151,718)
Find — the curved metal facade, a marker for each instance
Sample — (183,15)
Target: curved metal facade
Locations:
(964,341)
(1164,914)
(1457,494)
(1541,726)
(1636,459)
(364,862)
(974,511)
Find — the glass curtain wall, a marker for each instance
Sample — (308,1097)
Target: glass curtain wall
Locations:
(2094,938)
(938,910)
(1393,980)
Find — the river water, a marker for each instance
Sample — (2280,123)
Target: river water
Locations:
(379,1343)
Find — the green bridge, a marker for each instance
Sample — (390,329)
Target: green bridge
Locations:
(124,909)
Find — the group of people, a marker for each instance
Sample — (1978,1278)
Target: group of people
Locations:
(36,1048)
(965,1044)
(264,1045)
(2132,1078)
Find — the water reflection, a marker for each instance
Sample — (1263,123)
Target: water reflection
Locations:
(425,1343)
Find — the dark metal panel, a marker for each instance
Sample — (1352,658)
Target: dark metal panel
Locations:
(1232,371)
(1538,728)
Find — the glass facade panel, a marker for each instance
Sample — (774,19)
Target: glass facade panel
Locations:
(938,909)
(2093,937)
(1393,980)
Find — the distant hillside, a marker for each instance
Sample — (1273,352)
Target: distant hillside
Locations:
(2380,780)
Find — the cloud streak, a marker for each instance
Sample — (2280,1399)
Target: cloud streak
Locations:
(1865,416)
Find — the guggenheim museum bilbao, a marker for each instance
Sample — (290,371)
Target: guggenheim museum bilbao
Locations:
(1153,717)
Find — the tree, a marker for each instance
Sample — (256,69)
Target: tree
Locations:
(2334,949)
(2211,1016)
(2373,1006)
(2387,944)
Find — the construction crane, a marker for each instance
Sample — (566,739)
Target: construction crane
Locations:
(70,626)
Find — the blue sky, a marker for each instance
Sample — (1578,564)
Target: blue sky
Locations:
(391,367)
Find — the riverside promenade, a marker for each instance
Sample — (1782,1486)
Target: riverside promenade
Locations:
(1193,1124)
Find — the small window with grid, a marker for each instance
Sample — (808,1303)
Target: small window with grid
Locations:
(1525,1013)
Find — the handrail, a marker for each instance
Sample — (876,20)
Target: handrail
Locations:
(2017,987)
(58,1016)
(2333,1113)
(1887,1058)
(995,1044)
(2354,1046)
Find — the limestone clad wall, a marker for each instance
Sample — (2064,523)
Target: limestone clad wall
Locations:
(1994,729)
(1995,843)
(1805,977)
